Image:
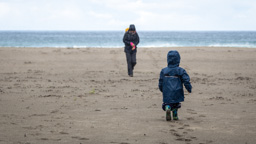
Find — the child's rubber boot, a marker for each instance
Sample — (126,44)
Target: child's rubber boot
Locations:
(175,114)
(168,113)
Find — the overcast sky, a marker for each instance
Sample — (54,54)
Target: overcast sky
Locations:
(118,14)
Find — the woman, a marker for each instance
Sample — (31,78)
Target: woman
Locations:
(131,40)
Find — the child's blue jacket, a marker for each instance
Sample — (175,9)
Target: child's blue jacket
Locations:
(172,79)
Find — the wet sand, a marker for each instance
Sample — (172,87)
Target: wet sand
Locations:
(84,96)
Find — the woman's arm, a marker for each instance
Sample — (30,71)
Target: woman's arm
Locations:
(126,42)
(137,40)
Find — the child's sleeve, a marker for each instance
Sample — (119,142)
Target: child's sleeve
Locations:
(186,80)
(160,83)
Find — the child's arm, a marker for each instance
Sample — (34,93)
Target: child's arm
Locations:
(160,83)
(186,80)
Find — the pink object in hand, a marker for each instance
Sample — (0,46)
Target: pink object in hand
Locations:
(133,46)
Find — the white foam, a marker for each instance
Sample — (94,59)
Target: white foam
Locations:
(233,45)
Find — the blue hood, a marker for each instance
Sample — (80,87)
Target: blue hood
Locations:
(173,58)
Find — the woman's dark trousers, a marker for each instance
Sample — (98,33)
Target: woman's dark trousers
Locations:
(131,62)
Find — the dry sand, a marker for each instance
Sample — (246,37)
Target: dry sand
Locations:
(84,96)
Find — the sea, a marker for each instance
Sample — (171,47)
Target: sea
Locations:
(114,39)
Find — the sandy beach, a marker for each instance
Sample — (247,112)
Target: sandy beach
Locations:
(85,96)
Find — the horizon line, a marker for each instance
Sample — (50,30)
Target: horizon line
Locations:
(146,30)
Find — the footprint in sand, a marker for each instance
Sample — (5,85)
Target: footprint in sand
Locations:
(163,143)
(64,133)
(80,138)
(46,139)
(202,116)
(177,135)
(191,111)
(184,126)
(184,135)
(172,130)
(183,139)
(190,118)
(180,137)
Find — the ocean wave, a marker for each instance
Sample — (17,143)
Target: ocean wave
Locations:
(64,39)
(159,45)
(140,46)
(233,45)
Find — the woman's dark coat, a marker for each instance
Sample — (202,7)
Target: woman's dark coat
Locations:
(128,38)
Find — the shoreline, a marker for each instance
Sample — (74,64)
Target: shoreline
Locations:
(123,47)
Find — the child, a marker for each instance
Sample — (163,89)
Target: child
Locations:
(171,83)
(126,30)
